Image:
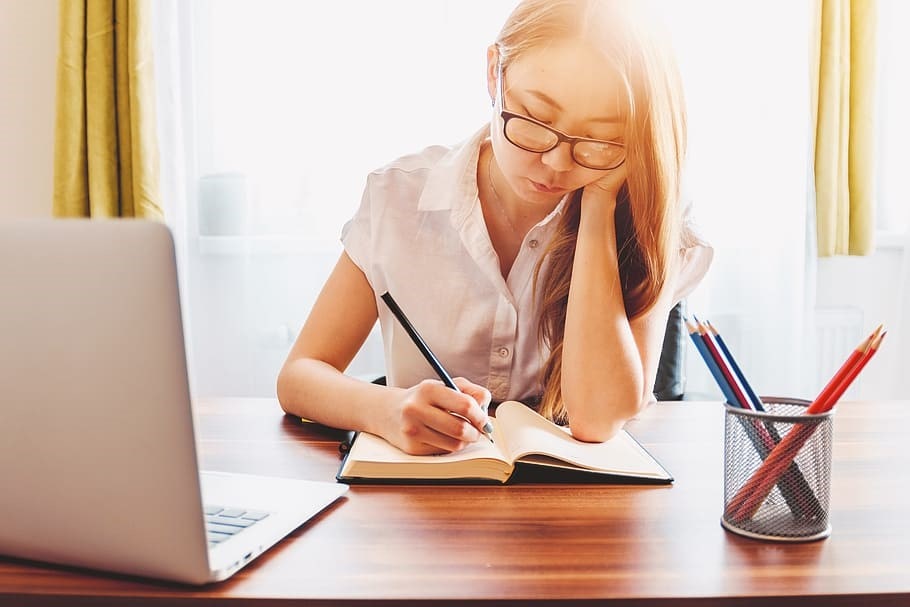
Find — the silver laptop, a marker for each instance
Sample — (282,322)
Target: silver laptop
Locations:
(98,463)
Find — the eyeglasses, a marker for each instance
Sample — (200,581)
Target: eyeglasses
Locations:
(534,136)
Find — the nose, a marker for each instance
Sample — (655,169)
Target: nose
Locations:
(559,158)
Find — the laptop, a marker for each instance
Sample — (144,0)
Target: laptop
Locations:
(98,460)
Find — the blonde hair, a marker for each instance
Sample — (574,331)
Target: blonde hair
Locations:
(649,226)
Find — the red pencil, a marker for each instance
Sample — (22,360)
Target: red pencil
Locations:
(846,381)
(753,493)
(821,402)
(724,367)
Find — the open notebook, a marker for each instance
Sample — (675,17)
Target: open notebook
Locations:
(524,445)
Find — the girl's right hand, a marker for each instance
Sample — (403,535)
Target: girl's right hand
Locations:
(422,420)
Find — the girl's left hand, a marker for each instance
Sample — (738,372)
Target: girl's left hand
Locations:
(609,184)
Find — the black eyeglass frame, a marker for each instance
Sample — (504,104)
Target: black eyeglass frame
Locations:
(561,137)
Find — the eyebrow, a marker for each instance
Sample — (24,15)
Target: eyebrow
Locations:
(550,101)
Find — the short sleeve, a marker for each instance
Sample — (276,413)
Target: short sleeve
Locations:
(356,233)
(695,255)
(694,263)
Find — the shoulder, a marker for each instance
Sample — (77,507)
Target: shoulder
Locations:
(437,178)
(411,170)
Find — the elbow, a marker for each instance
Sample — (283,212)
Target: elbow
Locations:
(283,389)
(596,431)
(604,421)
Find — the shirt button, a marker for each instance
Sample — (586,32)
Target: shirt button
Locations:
(533,243)
(503,352)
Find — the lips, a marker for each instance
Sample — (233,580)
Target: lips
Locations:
(546,189)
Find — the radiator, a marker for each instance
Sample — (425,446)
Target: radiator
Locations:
(838,330)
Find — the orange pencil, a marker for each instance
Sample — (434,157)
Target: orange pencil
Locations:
(846,381)
(751,495)
(839,390)
(824,397)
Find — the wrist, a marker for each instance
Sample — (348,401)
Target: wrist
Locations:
(381,416)
(597,217)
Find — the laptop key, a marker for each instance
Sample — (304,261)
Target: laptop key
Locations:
(232,512)
(233,522)
(255,515)
(216,538)
(226,529)
(212,509)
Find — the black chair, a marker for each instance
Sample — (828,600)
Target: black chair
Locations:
(670,382)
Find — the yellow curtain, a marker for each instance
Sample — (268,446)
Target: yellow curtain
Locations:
(106,149)
(844,126)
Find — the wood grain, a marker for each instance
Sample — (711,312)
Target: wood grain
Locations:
(526,544)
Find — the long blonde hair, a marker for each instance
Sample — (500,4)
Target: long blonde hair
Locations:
(649,226)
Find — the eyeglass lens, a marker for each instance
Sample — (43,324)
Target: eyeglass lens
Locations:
(536,138)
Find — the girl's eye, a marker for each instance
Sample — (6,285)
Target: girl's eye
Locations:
(537,117)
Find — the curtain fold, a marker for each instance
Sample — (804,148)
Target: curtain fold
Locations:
(106,150)
(845,122)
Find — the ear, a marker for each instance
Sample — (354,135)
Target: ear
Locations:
(492,62)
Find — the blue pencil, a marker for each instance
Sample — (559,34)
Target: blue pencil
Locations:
(711,363)
(793,486)
(756,401)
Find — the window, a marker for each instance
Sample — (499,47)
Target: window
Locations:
(276,110)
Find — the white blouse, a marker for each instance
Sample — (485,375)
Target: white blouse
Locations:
(420,235)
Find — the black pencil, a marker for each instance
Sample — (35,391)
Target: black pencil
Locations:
(427,353)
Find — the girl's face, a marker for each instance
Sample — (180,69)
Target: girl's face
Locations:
(569,87)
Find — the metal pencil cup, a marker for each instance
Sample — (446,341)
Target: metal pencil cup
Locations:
(795,509)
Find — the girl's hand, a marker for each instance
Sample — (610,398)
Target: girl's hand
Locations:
(422,421)
(606,189)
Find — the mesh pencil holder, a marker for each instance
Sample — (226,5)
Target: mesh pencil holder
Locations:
(777,493)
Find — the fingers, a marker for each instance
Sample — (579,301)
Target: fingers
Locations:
(478,393)
(441,419)
(481,396)
(610,182)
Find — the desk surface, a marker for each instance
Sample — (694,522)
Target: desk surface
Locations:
(521,544)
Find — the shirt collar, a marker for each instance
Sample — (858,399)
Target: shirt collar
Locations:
(452,184)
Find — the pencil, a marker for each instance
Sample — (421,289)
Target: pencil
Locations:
(753,493)
(824,401)
(699,341)
(427,353)
(756,401)
(739,396)
(793,485)
(854,372)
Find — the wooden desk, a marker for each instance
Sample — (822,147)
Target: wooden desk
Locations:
(524,544)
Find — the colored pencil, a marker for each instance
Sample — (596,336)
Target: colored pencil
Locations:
(851,374)
(753,493)
(739,397)
(764,437)
(756,401)
(718,375)
(823,402)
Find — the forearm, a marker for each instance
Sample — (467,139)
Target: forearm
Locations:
(317,391)
(602,371)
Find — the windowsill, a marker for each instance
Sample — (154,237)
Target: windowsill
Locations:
(889,240)
(265,244)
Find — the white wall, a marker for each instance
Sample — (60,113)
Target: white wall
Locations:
(874,285)
(28,54)
(28,49)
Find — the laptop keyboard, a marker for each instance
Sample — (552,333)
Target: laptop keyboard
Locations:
(222,523)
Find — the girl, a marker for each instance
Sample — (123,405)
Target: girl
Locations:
(539,259)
